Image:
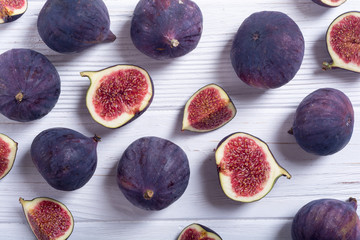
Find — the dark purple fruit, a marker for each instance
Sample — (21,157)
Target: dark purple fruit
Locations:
(324,122)
(247,168)
(118,95)
(163,29)
(29,85)
(267,50)
(153,173)
(197,231)
(73,25)
(65,158)
(329,3)
(343,42)
(8,149)
(48,218)
(327,219)
(208,109)
(10,10)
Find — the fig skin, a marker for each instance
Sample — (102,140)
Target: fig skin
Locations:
(29,85)
(327,219)
(58,220)
(329,3)
(10,13)
(8,150)
(324,122)
(267,50)
(153,173)
(166,29)
(341,35)
(68,26)
(64,157)
(133,89)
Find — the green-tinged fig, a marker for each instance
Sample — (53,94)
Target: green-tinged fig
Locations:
(247,168)
(208,109)
(343,42)
(10,10)
(48,218)
(8,149)
(197,231)
(119,94)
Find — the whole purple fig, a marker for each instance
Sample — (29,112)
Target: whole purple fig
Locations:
(327,219)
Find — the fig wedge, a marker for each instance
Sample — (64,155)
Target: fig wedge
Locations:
(329,3)
(208,109)
(8,149)
(247,168)
(119,94)
(11,10)
(48,218)
(197,231)
(343,42)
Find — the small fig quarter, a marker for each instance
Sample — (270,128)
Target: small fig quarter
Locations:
(247,168)
(343,42)
(8,149)
(11,10)
(48,218)
(119,94)
(329,3)
(197,231)
(208,109)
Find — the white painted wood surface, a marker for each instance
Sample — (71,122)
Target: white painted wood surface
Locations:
(99,208)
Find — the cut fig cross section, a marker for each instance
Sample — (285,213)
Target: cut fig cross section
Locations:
(10,10)
(48,218)
(329,3)
(247,168)
(208,109)
(119,94)
(8,149)
(197,231)
(343,42)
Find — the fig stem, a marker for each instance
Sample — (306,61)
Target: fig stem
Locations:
(19,97)
(174,43)
(326,66)
(148,194)
(291,131)
(97,138)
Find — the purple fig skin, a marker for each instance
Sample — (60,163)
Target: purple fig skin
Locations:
(153,173)
(323,3)
(164,29)
(327,219)
(65,158)
(267,50)
(324,122)
(29,85)
(68,26)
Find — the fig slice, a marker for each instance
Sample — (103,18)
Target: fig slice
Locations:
(197,231)
(119,94)
(329,3)
(208,109)
(247,168)
(343,42)
(8,149)
(48,218)
(10,10)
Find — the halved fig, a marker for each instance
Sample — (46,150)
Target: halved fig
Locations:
(118,94)
(197,231)
(343,42)
(329,3)
(48,218)
(8,149)
(208,109)
(10,10)
(247,168)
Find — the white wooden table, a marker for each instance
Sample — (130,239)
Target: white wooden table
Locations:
(100,209)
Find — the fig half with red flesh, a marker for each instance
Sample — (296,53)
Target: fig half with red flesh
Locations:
(8,149)
(208,109)
(329,3)
(197,231)
(48,218)
(119,94)
(10,10)
(343,42)
(247,168)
